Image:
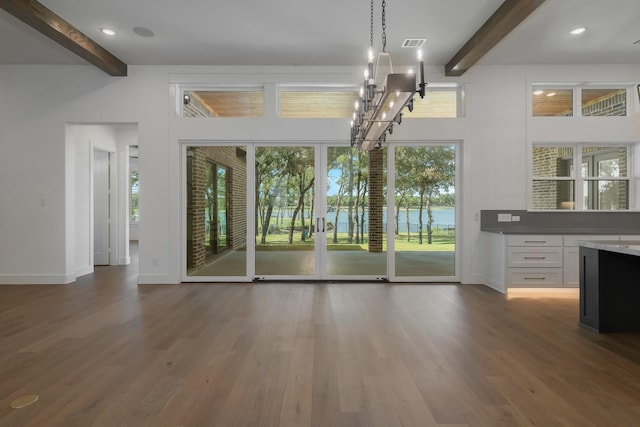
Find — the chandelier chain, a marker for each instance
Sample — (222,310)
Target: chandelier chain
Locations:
(384,26)
(371,27)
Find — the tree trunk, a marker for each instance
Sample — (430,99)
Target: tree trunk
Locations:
(420,218)
(408,224)
(350,207)
(429,220)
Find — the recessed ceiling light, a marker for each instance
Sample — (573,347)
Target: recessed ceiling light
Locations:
(579,30)
(108,31)
(538,92)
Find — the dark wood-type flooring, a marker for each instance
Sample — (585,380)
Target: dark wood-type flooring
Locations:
(106,352)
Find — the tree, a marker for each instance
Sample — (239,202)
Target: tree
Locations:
(300,167)
(425,171)
(271,164)
(404,185)
(434,171)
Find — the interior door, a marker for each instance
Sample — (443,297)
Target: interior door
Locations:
(101,208)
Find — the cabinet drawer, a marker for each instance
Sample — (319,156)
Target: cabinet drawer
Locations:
(534,257)
(533,240)
(536,277)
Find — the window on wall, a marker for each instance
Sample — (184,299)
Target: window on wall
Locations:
(236,101)
(602,181)
(437,103)
(604,102)
(554,101)
(440,101)
(317,102)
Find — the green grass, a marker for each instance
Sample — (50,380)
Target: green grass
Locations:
(280,242)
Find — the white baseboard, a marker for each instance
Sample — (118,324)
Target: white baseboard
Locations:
(37,279)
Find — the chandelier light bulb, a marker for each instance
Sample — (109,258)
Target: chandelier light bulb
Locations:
(419,54)
(366,74)
(370,54)
(361,91)
(357,105)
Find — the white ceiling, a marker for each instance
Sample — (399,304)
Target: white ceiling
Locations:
(330,32)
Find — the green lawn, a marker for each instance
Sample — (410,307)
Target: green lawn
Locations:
(279,242)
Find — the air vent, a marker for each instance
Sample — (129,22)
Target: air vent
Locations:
(412,43)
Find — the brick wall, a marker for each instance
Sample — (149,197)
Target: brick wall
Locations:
(614,104)
(196,251)
(195,107)
(376,200)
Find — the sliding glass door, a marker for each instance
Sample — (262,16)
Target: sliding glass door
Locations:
(355,240)
(216,211)
(424,206)
(320,212)
(285,232)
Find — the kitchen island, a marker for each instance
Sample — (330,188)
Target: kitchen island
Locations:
(610,285)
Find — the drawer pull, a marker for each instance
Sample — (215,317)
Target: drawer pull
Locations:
(535,241)
(535,278)
(535,257)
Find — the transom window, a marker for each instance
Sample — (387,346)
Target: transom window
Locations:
(563,101)
(236,101)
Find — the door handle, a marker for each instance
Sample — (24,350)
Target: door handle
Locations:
(323,224)
(317,225)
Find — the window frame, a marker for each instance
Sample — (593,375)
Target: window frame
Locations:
(577,98)
(577,178)
(185,89)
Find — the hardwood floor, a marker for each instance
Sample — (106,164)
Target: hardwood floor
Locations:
(106,352)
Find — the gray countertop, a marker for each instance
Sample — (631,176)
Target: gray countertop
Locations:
(555,230)
(631,247)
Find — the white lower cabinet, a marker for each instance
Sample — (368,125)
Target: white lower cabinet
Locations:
(536,261)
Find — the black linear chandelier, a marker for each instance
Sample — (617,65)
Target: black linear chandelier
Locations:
(383,95)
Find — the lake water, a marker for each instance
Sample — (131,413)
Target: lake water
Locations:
(443,218)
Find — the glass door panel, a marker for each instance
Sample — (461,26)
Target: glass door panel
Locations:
(425,211)
(355,224)
(285,211)
(216,211)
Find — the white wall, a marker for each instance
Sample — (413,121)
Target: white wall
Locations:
(38,101)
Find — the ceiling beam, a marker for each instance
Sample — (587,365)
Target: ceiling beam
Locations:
(508,16)
(36,15)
